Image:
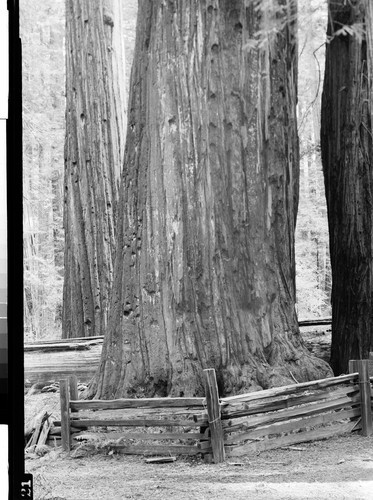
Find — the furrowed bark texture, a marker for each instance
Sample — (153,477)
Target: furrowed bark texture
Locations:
(204,274)
(347,154)
(94,151)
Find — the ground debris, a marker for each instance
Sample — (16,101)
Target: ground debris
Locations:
(293,448)
(160,460)
(51,388)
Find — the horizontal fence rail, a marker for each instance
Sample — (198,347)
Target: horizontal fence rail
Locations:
(121,404)
(292,389)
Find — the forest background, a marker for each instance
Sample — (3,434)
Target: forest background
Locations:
(42,26)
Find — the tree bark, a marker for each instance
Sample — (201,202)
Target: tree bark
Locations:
(93,159)
(347,155)
(204,273)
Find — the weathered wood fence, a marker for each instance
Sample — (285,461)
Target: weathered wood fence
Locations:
(232,426)
(170,414)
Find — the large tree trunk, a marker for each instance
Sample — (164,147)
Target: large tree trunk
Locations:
(93,159)
(204,274)
(347,156)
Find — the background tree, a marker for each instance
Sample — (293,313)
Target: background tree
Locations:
(313,272)
(347,155)
(204,271)
(43,135)
(94,148)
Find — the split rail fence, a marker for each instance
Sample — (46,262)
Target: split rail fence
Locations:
(231,426)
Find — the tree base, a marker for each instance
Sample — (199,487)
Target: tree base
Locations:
(232,380)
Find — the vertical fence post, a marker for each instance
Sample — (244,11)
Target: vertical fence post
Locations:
(362,367)
(352,366)
(73,385)
(214,416)
(65,415)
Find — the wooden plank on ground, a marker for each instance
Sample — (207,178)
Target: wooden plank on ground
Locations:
(300,437)
(293,425)
(160,460)
(291,389)
(293,413)
(122,404)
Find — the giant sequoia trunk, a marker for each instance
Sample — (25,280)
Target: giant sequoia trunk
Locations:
(347,156)
(93,158)
(204,273)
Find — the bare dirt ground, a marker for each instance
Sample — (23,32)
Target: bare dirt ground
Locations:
(339,468)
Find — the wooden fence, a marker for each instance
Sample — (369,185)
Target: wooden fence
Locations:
(174,415)
(232,426)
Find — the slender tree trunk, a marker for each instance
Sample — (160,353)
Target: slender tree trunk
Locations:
(347,156)
(204,274)
(93,158)
(368,6)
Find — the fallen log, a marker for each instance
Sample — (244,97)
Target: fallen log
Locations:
(59,345)
(65,341)
(318,342)
(315,321)
(46,366)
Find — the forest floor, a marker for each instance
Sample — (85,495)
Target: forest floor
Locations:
(338,468)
